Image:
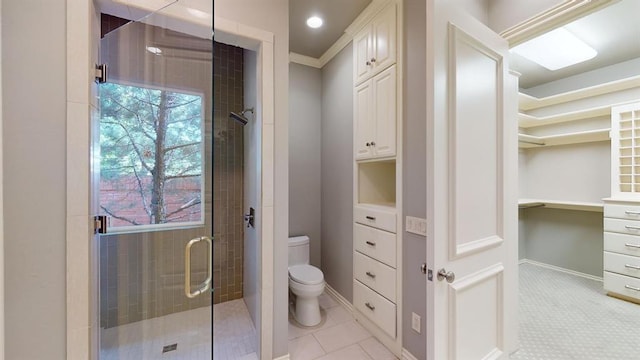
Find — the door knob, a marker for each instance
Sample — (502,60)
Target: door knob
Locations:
(373,143)
(444,274)
(373,60)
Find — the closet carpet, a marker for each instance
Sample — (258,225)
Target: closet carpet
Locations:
(564,316)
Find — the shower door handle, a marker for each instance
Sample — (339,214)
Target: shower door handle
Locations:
(206,284)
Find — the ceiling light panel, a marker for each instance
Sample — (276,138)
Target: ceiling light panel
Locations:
(556,49)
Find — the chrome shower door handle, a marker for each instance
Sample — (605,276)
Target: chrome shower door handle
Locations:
(206,284)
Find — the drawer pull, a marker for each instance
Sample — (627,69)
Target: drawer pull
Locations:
(629,227)
(371,243)
(634,267)
(371,307)
(628,287)
(370,217)
(629,212)
(632,246)
(373,276)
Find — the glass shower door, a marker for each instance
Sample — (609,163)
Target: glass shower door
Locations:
(155,188)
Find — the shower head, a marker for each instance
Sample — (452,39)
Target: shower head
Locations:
(240,117)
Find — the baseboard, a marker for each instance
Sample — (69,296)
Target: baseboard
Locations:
(406,355)
(560,269)
(285,357)
(339,298)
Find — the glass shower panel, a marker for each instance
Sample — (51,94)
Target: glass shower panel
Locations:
(156,188)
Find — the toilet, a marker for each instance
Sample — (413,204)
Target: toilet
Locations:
(306,282)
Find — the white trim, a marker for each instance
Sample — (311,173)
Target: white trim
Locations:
(285,357)
(406,355)
(558,15)
(560,269)
(304,60)
(561,204)
(339,298)
(526,141)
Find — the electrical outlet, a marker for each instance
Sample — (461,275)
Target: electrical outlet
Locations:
(416,225)
(415,322)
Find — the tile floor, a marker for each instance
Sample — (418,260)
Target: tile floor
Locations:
(190,330)
(338,337)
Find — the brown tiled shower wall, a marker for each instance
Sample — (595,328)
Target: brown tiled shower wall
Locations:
(228,174)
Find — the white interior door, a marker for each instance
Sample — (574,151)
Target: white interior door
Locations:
(471,196)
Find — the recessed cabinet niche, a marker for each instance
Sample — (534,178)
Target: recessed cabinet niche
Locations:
(375,116)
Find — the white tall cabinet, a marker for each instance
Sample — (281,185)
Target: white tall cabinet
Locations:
(377,240)
(622,210)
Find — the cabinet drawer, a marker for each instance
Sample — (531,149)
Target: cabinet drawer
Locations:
(622,243)
(628,212)
(622,264)
(377,217)
(623,285)
(378,309)
(378,244)
(376,275)
(631,227)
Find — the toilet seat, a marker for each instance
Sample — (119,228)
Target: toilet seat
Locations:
(306,274)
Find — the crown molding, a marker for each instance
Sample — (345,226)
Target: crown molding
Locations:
(350,32)
(304,60)
(558,15)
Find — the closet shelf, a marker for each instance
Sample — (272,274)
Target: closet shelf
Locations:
(528,102)
(561,204)
(526,141)
(528,121)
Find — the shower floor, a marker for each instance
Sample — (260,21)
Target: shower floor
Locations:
(234,336)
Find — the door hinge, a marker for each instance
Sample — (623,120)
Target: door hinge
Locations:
(100,224)
(101,73)
(430,275)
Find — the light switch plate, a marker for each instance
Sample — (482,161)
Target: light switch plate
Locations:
(415,322)
(416,225)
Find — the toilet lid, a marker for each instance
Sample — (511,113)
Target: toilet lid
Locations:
(306,274)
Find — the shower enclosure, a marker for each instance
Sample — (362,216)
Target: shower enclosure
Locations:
(156,166)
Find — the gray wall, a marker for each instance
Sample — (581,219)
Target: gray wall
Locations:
(565,238)
(34,148)
(305,101)
(414,176)
(337,172)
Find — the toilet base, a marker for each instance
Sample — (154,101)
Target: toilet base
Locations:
(307,311)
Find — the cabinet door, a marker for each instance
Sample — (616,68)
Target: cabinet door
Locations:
(363,120)
(384,40)
(363,49)
(384,90)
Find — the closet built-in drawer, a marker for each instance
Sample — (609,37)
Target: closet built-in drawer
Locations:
(622,264)
(377,216)
(631,227)
(378,244)
(378,309)
(621,284)
(629,212)
(622,243)
(376,275)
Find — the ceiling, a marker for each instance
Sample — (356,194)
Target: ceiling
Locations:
(337,15)
(613,31)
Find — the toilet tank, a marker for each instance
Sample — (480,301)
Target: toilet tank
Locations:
(298,250)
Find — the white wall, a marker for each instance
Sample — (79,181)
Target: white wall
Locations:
(273,16)
(305,99)
(250,268)
(34,150)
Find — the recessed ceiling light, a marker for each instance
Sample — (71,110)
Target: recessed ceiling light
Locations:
(314,22)
(154,50)
(556,49)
